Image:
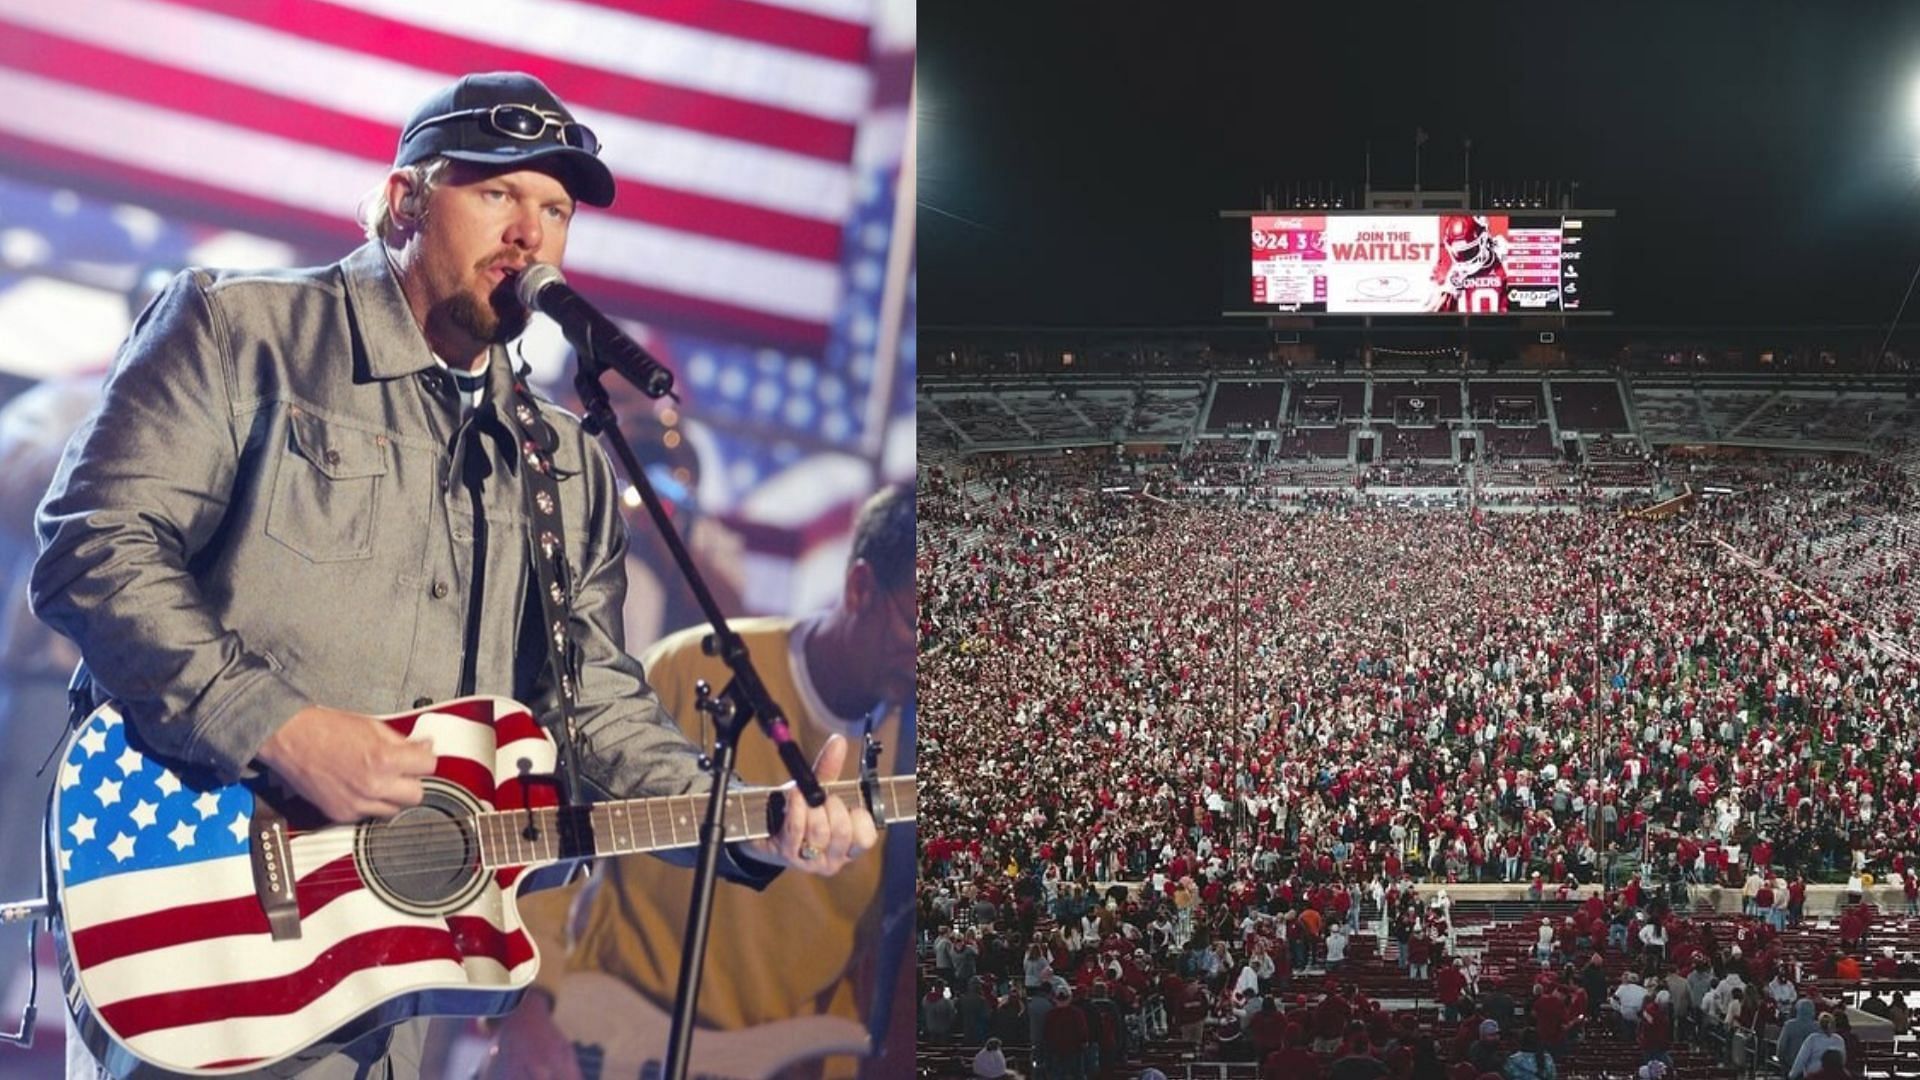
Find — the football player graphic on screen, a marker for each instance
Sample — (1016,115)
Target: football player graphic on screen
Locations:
(1470,275)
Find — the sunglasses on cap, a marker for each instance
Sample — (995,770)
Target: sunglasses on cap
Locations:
(523,122)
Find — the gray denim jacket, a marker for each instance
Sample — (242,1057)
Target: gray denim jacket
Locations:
(277,504)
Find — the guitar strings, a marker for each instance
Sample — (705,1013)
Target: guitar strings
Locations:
(324,874)
(328,849)
(506,840)
(404,841)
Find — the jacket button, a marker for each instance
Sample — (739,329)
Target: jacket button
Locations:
(333,457)
(439,590)
(422,702)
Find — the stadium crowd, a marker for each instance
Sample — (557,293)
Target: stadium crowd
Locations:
(1851,528)
(1265,716)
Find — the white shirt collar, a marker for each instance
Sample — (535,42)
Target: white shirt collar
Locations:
(470,385)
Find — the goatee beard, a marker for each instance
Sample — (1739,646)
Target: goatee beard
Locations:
(495,321)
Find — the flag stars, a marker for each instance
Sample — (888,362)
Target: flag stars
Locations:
(122,847)
(94,742)
(82,828)
(168,783)
(208,804)
(130,761)
(238,827)
(182,836)
(108,792)
(143,814)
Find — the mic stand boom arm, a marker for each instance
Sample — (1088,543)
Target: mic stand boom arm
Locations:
(744,700)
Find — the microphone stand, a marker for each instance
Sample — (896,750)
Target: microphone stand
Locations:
(744,701)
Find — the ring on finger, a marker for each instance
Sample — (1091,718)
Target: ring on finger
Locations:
(808,852)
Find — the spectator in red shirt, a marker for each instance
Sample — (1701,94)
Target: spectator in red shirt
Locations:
(1656,1029)
(1420,955)
(1293,1061)
(1853,927)
(1550,1018)
(1064,1037)
(1450,985)
(1884,965)
(1469,1031)
(1267,1029)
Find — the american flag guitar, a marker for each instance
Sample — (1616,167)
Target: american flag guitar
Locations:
(203,933)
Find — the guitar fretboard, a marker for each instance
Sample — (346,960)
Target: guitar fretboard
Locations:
(626,827)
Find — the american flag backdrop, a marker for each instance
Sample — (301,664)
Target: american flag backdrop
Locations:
(729,125)
(761,149)
(758,146)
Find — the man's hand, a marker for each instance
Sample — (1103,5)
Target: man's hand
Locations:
(528,1046)
(349,765)
(831,834)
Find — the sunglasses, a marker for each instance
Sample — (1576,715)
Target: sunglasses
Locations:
(523,122)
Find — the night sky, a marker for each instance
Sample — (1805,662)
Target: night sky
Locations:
(1764,157)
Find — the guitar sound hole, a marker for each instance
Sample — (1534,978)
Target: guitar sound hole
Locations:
(426,859)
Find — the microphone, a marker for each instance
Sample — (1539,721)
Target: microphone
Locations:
(541,287)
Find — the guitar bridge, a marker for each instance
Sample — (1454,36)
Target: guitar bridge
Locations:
(272,858)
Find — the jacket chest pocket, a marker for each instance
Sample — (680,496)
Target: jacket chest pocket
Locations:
(326,489)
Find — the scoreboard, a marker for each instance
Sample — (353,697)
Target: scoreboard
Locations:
(1425,263)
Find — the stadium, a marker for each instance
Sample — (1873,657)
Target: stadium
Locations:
(1417,649)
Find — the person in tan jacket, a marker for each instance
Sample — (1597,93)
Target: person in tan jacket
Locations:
(845,671)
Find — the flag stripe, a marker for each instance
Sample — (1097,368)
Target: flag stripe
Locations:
(689,275)
(162,191)
(508,720)
(857,11)
(731,126)
(214,962)
(708,269)
(249,1039)
(224,102)
(280,994)
(290,89)
(477,937)
(185,904)
(831,36)
(425,59)
(479,750)
(651,49)
(192,1044)
(190,199)
(254,1038)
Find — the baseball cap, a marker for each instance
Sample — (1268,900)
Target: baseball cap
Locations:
(507,118)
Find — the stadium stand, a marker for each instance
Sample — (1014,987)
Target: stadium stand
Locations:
(1176,737)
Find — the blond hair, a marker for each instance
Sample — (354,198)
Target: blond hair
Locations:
(376,215)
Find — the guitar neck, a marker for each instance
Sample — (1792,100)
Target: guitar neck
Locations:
(526,837)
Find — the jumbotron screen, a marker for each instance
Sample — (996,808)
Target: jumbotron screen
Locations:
(1429,263)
